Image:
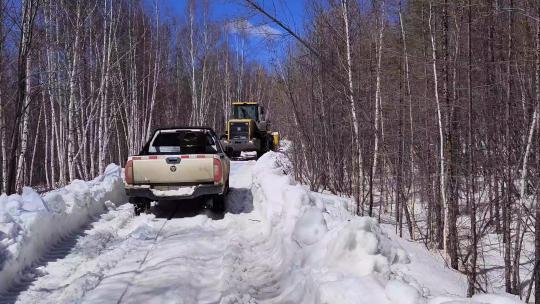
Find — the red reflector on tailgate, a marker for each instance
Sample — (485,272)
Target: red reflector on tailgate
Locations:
(218,173)
(128,172)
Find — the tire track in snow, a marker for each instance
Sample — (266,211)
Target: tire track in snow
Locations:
(56,252)
(68,272)
(259,267)
(171,215)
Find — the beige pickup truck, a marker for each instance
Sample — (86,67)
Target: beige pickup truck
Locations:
(177,164)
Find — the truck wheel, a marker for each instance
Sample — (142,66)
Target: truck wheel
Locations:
(218,203)
(138,209)
(147,205)
(141,205)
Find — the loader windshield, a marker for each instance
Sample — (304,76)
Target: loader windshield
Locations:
(246,111)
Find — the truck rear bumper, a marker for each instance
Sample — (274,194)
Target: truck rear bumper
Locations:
(181,193)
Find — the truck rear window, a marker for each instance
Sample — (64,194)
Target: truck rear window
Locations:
(183,142)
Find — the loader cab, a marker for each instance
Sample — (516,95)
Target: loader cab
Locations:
(247,110)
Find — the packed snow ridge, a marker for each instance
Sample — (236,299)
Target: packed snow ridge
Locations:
(277,243)
(30,223)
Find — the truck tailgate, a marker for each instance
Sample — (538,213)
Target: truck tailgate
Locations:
(170,169)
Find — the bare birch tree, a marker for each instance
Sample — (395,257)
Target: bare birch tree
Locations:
(29,11)
(3,131)
(350,96)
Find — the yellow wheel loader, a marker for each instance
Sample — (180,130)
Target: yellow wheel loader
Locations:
(248,130)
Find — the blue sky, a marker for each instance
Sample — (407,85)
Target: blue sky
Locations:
(258,45)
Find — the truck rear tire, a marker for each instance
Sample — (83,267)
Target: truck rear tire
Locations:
(140,205)
(218,203)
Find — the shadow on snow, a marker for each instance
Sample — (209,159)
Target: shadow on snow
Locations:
(238,200)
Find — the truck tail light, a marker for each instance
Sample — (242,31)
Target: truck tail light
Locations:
(218,172)
(128,172)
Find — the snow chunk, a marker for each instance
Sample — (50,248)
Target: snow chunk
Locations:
(402,293)
(353,290)
(55,202)
(355,249)
(31,200)
(496,299)
(310,227)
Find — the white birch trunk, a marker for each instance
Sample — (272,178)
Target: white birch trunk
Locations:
(57,120)
(24,130)
(378,91)
(524,167)
(155,75)
(194,102)
(350,94)
(227,99)
(409,95)
(440,125)
(72,101)
(3,144)
(47,160)
(34,149)
(103,127)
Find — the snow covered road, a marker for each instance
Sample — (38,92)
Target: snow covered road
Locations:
(188,259)
(277,243)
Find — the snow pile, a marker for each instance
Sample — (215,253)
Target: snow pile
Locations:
(328,256)
(347,261)
(30,223)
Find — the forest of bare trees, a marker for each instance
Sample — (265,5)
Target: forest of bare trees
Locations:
(82,83)
(425,112)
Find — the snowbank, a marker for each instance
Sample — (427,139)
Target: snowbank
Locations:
(30,223)
(348,261)
(329,256)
